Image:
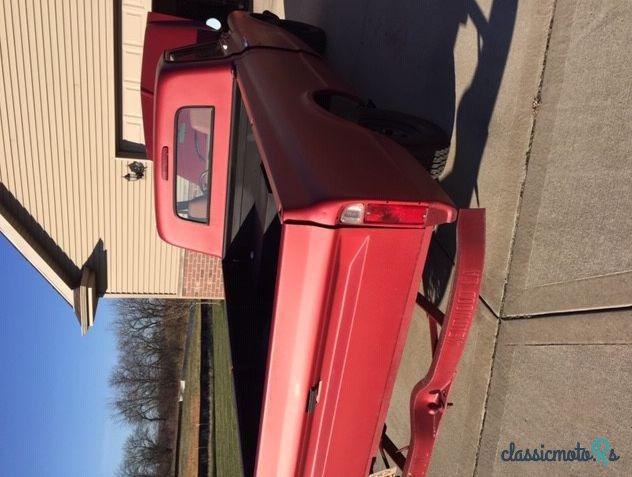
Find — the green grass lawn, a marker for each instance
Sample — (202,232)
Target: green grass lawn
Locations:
(227,450)
(224,450)
(189,424)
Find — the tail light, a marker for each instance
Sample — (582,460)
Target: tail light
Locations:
(384,214)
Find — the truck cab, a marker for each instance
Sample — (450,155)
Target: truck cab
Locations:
(322,225)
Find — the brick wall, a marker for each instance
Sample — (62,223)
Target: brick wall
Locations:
(202,276)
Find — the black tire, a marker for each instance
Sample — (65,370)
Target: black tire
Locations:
(426,141)
(313,36)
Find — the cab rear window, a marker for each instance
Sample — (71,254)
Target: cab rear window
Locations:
(194,149)
(199,52)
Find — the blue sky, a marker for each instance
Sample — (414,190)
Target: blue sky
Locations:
(54,414)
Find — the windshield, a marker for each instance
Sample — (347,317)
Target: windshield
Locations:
(194,149)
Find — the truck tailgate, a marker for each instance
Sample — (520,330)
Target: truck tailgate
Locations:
(343,305)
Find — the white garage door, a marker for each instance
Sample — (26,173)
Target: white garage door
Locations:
(133,18)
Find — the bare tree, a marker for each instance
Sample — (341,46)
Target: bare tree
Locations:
(143,454)
(150,341)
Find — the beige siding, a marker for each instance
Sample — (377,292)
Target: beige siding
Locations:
(133,15)
(58,142)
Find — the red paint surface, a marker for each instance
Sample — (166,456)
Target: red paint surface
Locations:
(174,91)
(163,32)
(344,301)
(344,295)
(318,162)
(429,399)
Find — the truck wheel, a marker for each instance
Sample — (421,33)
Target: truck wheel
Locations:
(311,35)
(426,141)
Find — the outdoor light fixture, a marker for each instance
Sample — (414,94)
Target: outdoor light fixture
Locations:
(136,171)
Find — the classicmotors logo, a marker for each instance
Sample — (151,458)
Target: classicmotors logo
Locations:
(599,451)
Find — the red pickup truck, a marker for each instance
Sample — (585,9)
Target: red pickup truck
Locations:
(322,213)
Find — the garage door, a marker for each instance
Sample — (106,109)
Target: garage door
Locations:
(133,17)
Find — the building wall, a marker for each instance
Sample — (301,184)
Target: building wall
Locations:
(201,276)
(58,145)
(132,30)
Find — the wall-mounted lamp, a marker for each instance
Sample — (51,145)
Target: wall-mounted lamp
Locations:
(136,171)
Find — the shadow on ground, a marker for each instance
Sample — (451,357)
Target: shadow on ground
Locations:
(403,58)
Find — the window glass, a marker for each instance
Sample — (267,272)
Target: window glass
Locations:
(194,149)
(199,52)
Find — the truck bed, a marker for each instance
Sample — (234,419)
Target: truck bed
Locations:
(318,316)
(250,267)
